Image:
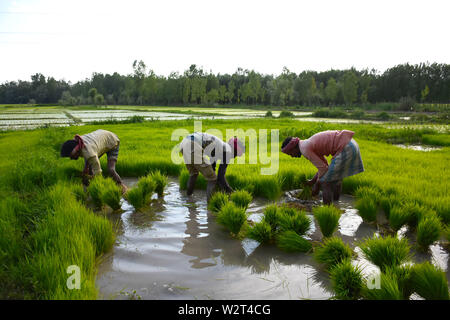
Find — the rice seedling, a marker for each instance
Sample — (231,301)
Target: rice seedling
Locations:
(306,193)
(367,209)
(231,217)
(112,194)
(79,193)
(136,198)
(261,232)
(429,281)
(387,203)
(368,192)
(346,281)
(332,251)
(95,190)
(241,198)
(291,241)
(147,186)
(428,231)
(271,215)
(328,219)
(416,213)
(217,201)
(387,252)
(447,233)
(398,217)
(160,181)
(290,219)
(389,289)
(403,276)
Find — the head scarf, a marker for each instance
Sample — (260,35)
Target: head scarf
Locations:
(290,147)
(80,142)
(238,147)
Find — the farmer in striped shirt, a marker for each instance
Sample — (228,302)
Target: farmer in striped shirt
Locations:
(91,147)
(346,160)
(197,148)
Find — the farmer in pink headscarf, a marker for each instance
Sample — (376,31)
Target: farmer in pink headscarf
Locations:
(197,148)
(346,159)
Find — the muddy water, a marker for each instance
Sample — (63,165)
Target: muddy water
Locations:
(176,250)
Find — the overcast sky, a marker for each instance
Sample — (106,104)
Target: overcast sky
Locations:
(70,39)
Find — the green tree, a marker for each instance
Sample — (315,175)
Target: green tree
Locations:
(350,87)
(424,93)
(98,99)
(92,93)
(331,91)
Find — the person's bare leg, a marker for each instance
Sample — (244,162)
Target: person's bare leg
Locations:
(337,189)
(327,193)
(114,175)
(191,184)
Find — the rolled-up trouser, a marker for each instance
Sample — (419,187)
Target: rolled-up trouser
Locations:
(196,161)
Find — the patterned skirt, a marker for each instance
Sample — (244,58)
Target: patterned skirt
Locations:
(347,163)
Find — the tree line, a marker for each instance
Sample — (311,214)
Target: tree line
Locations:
(424,82)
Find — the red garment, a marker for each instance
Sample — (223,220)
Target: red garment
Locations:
(322,144)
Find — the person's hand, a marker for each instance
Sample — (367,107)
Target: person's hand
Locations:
(310,182)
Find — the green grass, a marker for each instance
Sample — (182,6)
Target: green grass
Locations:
(112,194)
(328,219)
(136,198)
(428,231)
(367,209)
(232,217)
(147,185)
(270,215)
(290,241)
(160,180)
(95,189)
(398,217)
(389,289)
(346,281)
(290,219)
(241,198)
(429,282)
(217,201)
(387,252)
(261,232)
(332,251)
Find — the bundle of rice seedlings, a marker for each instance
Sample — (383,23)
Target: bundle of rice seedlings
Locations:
(136,197)
(388,202)
(428,230)
(416,212)
(389,289)
(447,233)
(232,217)
(328,219)
(261,232)
(346,281)
(290,219)
(403,276)
(386,252)
(398,217)
(368,192)
(290,241)
(112,194)
(79,193)
(147,186)
(241,198)
(95,190)
(429,282)
(271,215)
(160,182)
(306,193)
(332,251)
(367,209)
(217,201)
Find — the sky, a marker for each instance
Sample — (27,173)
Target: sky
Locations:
(71,39)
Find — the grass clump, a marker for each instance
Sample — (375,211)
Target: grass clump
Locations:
(398,217)
(429,282)
(346,281)
(306,193)
(328,219)
(367,209)
(428,231)
(241,198)
(111,194)
(386,252)
(332,251)
(217,201)
(271,215)
(147,185)
(160,181)
(95,190)
(389,289)
(291,241)
(290,219)
(261,232)
(232,217)
(136,198)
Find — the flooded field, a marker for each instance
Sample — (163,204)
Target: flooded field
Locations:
(176,250)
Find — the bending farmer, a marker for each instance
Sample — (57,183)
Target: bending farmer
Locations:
(346,159)
(196,147)
(92,146)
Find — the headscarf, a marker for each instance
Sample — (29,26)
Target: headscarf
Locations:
(237,145)
(290,147)
(80,142)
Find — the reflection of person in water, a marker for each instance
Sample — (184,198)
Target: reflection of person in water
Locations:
(207,242)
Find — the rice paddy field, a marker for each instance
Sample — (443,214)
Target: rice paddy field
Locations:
(261,243)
